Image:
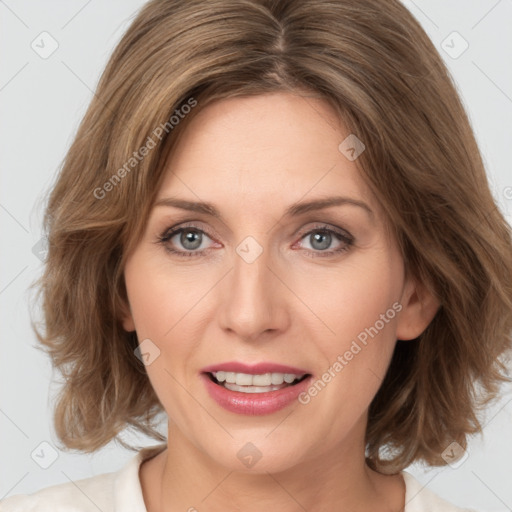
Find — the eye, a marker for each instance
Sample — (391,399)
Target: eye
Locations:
(191,241)
(322,237)
(190,237)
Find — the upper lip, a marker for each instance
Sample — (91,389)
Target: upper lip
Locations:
(253,369)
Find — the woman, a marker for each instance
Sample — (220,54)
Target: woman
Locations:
(274,225)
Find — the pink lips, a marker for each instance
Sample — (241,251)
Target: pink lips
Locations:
(254,403)
(254,369)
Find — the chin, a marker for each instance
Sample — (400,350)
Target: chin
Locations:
(260,456)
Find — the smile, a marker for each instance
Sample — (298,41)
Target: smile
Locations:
(261,383)
(252,388)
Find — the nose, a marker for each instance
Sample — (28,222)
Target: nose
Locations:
(254,298)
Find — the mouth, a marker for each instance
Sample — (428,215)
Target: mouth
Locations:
(255,383)
(255,389)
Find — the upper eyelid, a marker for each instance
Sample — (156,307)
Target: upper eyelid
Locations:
(319,226)
(187,225)
(346,238)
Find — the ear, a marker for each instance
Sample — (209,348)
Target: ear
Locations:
(127,317)
(419,307)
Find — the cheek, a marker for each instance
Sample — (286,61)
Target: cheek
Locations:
(367,327)
(159,297)
(166,309)
(350,298)
(359,304)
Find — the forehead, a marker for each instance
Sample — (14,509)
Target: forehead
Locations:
(263,152)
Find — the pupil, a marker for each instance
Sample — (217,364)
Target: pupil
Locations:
(187,237)
(326,240)
(192,240)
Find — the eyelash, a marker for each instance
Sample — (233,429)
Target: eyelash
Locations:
(169,233)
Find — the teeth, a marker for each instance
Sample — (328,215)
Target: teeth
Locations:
(261,380)
(220,376)
(252,389)
(265,379)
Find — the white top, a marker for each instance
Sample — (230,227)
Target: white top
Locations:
(121,492)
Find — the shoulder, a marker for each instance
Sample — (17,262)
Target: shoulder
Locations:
(418,498)
(89,494)
(108,492)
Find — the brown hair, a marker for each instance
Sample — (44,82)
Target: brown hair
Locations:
(374,64)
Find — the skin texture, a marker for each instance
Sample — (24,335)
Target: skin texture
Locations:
(252,157)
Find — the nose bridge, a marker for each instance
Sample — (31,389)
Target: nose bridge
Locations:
(253,304)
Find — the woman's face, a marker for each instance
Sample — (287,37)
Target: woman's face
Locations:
(267,281)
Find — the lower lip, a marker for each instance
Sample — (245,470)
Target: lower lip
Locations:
(255,404)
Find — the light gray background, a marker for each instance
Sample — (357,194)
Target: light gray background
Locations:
(42,102)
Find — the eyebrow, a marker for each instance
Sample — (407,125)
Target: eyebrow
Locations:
(293,210)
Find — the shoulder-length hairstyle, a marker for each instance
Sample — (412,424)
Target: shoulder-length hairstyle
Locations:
(374,64)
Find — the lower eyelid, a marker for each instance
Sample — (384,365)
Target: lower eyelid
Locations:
(347,239)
